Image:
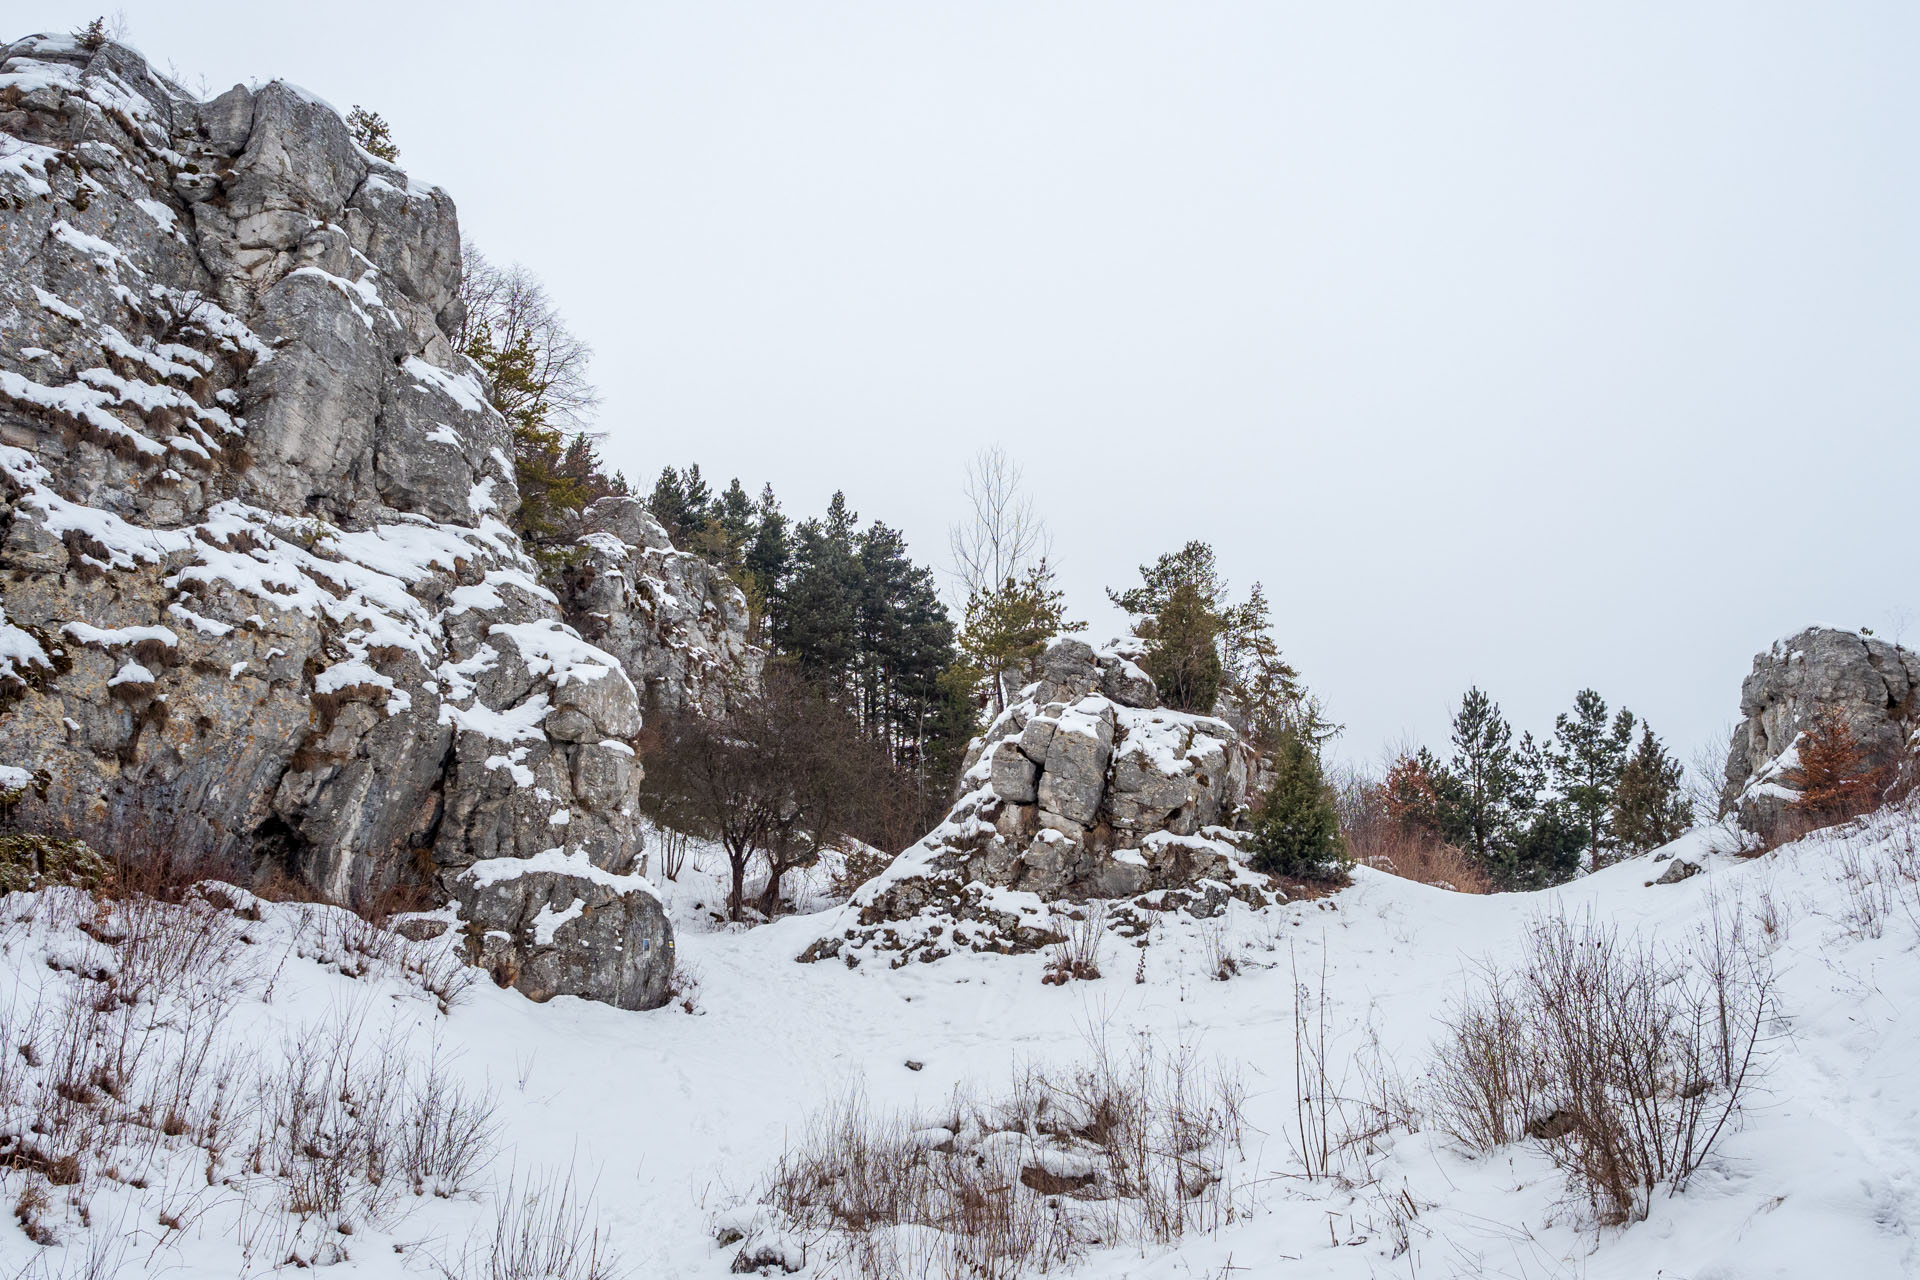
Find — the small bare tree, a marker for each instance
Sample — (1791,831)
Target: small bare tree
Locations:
(1002,535)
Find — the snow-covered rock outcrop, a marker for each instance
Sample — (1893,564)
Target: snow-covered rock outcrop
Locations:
(261,602)
(1871,685)
(1085,788)
(677,623)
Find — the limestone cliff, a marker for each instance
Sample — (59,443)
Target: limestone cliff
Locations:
(262,603)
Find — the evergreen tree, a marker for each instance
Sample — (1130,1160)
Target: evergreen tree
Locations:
(536,375)
(1834,776)
(1587,755)
(1544,852)
(1483,764)
(683,504)
(1296,830)
(1183,616)
(1008,628)
(734,514)
(1266,686)
(372,133)
(817,609)
(766,560)
(1649,808)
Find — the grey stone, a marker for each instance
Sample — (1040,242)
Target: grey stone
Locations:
(1075,775)
(309,562)
(1871,685)
(1679,870)
(1014,775)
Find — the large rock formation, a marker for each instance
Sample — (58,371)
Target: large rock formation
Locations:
(1871,685)
(678,624)
(262,604)
(1085,788)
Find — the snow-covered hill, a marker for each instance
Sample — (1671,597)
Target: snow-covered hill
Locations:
(670,1121)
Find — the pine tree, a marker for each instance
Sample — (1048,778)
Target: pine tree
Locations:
(766,561)
(1296,830)
(1007,629)
(1649,809)
(1483,764)
(1586,758)
(817,609)
(683,504)
(372,133)
(1181,604)
(1544,852)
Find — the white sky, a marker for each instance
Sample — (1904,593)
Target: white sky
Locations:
(1533,345)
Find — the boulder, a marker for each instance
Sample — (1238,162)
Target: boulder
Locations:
(1873,686)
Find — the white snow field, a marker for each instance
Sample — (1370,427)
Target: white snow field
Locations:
(668,1121)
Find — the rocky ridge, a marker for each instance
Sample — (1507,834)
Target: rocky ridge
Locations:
(262,602)
(1084,789)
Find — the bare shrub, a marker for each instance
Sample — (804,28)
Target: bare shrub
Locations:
(1221,958)
(1127,1146)
(1077,954)
(544,1229)
(1627,1061)
(673,851)
(346,1126)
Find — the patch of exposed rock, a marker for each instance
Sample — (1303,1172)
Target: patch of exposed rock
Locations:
(1085,788)
(677,624)
(1871,685)
(261,602)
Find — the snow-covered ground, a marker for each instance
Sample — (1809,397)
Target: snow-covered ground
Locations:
(668,1119)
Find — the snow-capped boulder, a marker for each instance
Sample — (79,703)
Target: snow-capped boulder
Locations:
(260,603)
(1872,685)
(1071,795)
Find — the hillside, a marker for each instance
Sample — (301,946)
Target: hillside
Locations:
(670,1121)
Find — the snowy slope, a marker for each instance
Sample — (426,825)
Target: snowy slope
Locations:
(670,1118)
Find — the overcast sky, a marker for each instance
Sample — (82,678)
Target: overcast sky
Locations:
(1534,345)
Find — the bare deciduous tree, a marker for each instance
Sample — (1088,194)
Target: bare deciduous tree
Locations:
(508,306)
(1002,536)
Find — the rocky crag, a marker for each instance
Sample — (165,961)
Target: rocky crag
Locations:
(262,601)
(1872,686)
(1085,788)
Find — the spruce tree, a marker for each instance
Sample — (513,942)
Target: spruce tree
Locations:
(1587,755)
(1296,830)
(683,504)
(1649,809)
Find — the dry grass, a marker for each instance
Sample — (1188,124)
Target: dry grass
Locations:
(1420,858)
(121,1063)
(1077,954)
(543,1229)
(1128,1146)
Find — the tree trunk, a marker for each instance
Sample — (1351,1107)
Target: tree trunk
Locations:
(737,864)
(770,897)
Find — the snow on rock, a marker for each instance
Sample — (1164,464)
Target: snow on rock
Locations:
(1870,685)
(1072,794)
(260,597)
